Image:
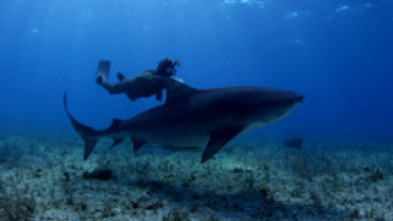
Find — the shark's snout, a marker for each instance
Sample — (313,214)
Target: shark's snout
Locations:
(289,99)
(280,99)
(297,98)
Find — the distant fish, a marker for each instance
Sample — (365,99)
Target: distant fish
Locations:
(293,142)
(342,8)
(192,117)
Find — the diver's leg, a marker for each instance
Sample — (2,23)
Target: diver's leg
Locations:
(113,88)
(102,71)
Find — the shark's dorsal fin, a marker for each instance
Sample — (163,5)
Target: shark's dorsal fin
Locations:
(218,139)
(137,143)
(115,123)
(176,89)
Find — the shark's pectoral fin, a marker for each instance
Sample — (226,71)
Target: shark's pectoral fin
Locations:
(137,143)
(116,141)
(218,139)
(89,146)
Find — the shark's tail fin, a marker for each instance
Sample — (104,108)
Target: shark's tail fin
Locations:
(88,134)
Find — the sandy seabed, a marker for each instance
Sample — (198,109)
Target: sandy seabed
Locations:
(45,178)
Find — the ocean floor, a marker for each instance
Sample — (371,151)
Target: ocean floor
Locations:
(45,178)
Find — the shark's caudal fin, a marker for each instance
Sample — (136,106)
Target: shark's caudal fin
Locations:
(87,133)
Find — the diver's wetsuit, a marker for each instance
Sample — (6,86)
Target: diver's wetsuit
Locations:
(143,85)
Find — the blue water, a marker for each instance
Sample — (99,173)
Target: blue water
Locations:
(339,54)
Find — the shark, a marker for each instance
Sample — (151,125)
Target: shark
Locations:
(192,117)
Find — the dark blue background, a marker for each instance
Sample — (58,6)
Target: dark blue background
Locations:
(338,53)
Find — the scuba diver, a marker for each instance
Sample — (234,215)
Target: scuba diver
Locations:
(145,84)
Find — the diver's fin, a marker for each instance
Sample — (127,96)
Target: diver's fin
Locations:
(137,143)
(103,71)
(218,139)
(88,134)
(120,76)
(115,123)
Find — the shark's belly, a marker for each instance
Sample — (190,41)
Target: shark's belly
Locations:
(181,126)
(175,137)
